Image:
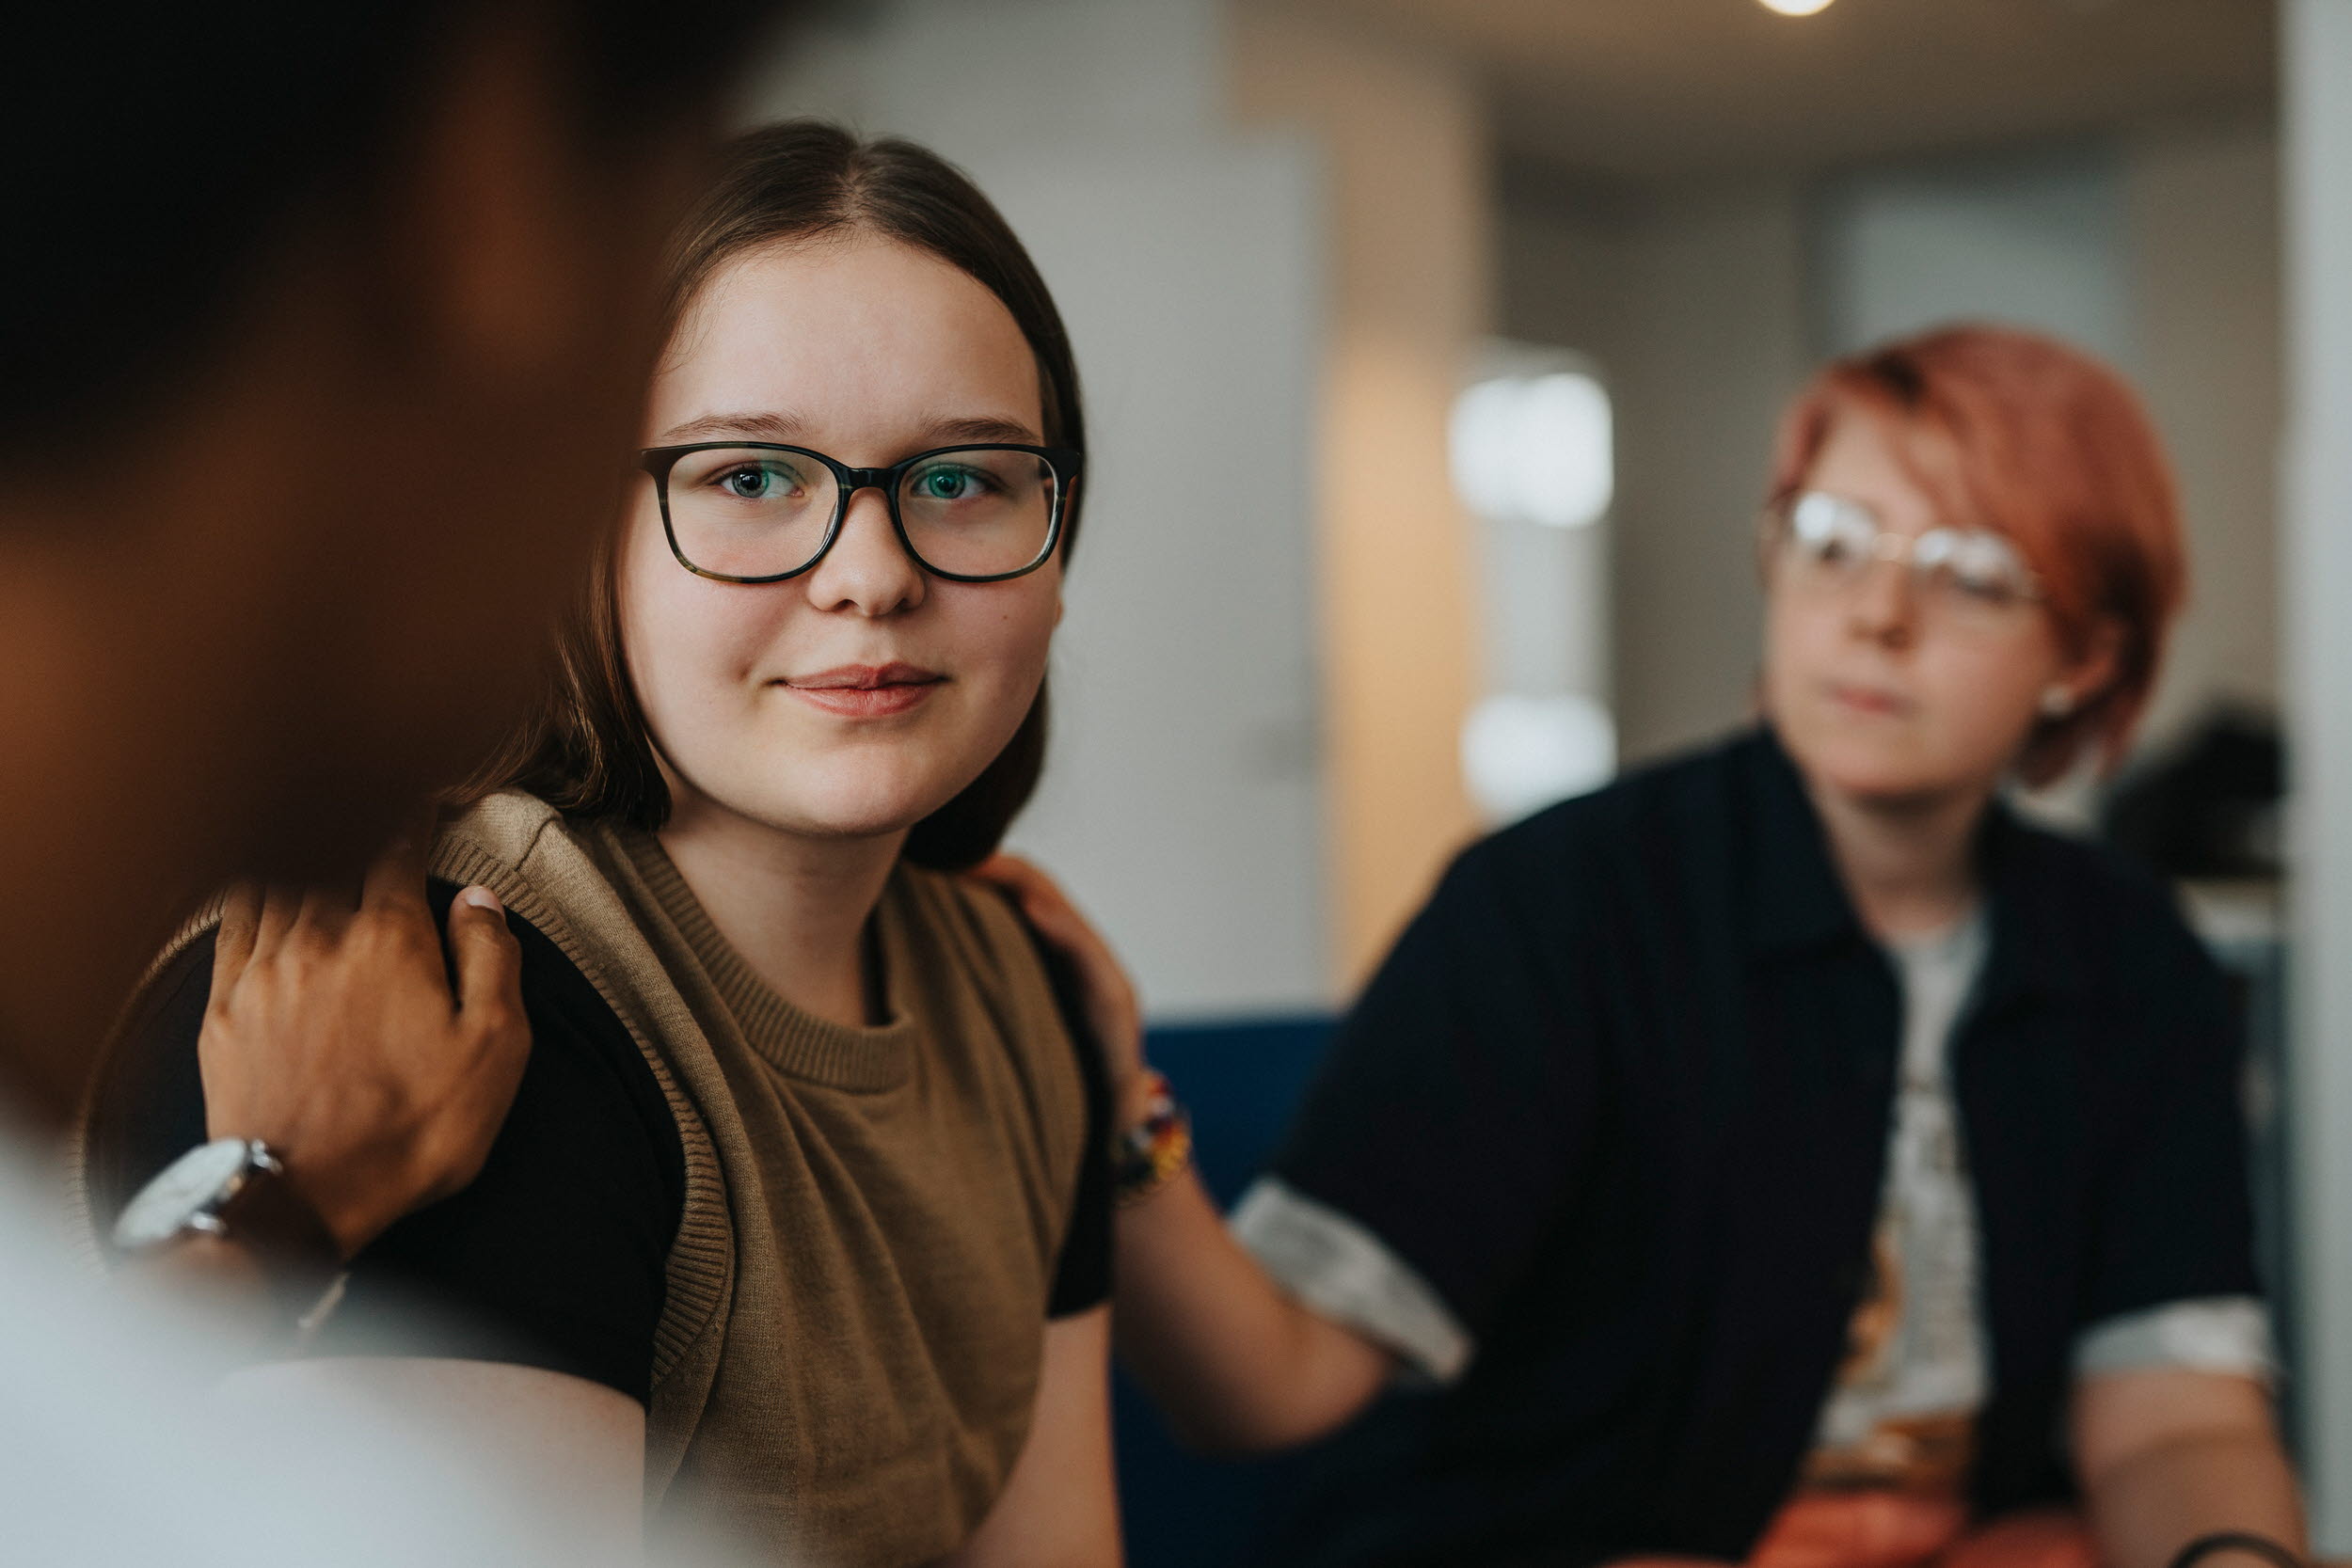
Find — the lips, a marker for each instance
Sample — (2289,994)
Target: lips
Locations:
(1870,699)
(865,691)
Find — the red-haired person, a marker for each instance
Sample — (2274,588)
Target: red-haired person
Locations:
(1786,1154)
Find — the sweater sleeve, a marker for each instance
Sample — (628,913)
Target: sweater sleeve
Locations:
(1082,1273)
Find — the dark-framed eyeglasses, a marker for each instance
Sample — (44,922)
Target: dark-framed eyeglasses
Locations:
(756,512)
(1831,541)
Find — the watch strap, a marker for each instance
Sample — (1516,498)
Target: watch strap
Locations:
(267,1214)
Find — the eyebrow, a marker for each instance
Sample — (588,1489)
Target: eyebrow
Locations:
(792,429)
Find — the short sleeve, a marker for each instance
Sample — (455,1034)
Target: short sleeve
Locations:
(1435,1144)
(2229,1334)
(1082,1273)
(2174,1216)
(555,1257)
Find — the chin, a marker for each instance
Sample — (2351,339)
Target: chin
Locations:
(847,804)
(1883,767)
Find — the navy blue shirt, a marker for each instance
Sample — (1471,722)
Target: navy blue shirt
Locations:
(1621,1095)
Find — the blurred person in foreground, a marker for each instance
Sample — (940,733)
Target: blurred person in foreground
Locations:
(320,327)
(1785,1154)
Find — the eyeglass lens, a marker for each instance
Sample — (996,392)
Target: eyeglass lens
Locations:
(1837,541)
(753,511)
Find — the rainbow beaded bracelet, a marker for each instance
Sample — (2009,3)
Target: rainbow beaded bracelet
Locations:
(1153,1152)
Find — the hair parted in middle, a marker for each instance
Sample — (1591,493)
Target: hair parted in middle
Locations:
(585,747)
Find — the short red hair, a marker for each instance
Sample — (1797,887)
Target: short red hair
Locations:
(2054,449)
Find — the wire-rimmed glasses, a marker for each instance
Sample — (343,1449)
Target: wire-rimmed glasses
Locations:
(1831,542)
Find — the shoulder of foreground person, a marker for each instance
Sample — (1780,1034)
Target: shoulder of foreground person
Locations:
(138,1460)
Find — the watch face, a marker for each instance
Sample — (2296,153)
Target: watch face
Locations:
(189,1186)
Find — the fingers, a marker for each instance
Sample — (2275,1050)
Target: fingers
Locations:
(1040,897)
(279,906)
(323,914)
(488,961)
(1006,871)
(232,944)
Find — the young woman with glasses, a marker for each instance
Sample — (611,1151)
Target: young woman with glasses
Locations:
(1786,1154)
(802,1213)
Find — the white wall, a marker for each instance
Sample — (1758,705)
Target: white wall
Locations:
(2202,204)
(1691,299)
(1182,799)
(2038,240)
(2317,127)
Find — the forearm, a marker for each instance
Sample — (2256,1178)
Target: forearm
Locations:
(1236,1363)
(2147,1507)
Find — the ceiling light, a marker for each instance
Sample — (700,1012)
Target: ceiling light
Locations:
(1796,7)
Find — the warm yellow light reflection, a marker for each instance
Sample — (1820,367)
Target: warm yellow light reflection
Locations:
(1796,7)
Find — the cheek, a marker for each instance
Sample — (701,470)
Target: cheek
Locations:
(690,639)
(1797,639)
(1004,637)
(1986,693)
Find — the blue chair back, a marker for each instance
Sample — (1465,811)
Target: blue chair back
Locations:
(1241,1082)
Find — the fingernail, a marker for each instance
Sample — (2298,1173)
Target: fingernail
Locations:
(482,899)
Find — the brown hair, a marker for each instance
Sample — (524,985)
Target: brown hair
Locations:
(585,748)
(2054,449)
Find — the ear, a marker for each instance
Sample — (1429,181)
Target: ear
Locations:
(2087,676)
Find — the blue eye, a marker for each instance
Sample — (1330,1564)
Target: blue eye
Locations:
(950,482)
(758,482)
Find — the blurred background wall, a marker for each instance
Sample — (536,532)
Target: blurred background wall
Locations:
(1298,668)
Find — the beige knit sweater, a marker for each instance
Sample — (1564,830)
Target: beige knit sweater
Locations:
(845,1369)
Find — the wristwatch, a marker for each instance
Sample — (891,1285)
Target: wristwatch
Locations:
(236,1188)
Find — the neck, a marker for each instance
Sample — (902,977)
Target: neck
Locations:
(1906,862)
(793,906)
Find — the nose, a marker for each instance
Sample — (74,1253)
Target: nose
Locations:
(867,572)
(1883,605)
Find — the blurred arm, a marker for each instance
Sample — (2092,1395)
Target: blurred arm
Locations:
(1234,1361)
(2166,1454)
(1238,1364)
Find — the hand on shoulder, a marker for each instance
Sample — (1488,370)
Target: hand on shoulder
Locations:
(336,1036)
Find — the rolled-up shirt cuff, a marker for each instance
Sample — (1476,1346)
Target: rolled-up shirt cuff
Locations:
(1347,1273)
(2212,1334)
